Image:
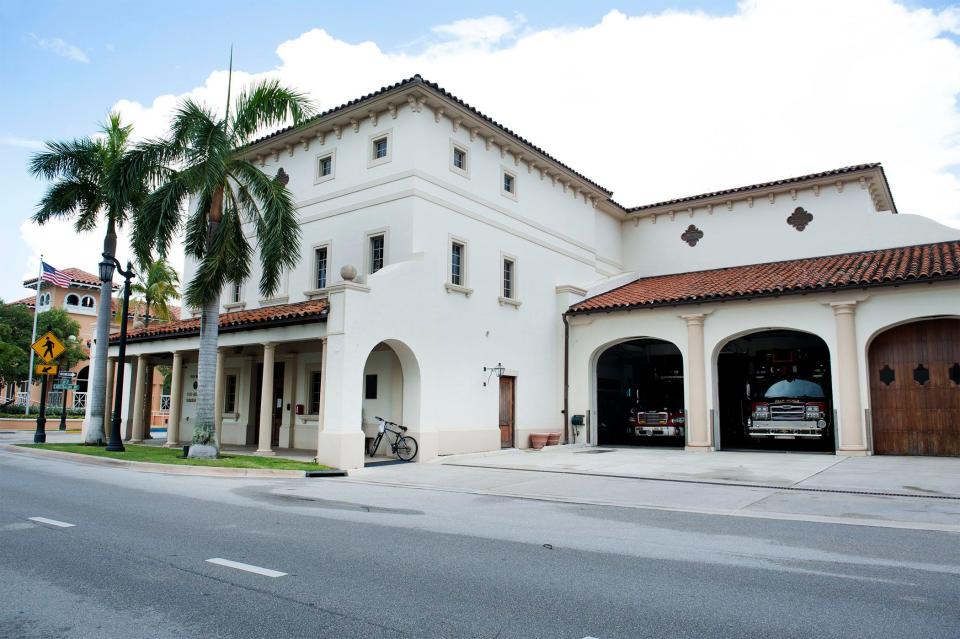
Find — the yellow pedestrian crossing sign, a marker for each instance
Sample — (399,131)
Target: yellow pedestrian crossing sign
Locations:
(48,347)
(46,369)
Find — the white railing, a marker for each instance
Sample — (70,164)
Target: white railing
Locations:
(164,403)
(80,400)
(22,398)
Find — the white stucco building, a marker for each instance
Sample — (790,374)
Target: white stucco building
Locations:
(474,249)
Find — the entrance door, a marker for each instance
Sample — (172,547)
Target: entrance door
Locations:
(915,389)
(507,396)
(276,405)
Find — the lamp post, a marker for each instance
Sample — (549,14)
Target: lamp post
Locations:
(107,267)
(40,435)
(63,391)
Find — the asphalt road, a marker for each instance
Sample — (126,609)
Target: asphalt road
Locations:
(379,561)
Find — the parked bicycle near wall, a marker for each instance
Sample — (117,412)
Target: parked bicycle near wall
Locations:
(403,446)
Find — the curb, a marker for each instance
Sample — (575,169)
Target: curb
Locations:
(163,469)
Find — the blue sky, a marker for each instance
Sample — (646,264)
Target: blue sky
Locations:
(66,63)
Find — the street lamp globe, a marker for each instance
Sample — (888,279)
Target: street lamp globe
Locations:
(106,268)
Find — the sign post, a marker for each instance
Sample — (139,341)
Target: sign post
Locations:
(49,348)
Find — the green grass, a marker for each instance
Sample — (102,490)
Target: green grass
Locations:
(160,455)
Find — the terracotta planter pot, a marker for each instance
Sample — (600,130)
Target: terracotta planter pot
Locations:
(538,440)
(553,439)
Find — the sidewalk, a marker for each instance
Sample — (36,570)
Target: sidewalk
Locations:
(919,493)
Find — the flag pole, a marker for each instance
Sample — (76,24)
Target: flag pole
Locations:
(36,312)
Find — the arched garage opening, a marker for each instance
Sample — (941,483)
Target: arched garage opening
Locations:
(640,394)
(391,390)
(914,372)
(775,393)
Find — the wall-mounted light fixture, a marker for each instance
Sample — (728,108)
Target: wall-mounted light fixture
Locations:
(493,370)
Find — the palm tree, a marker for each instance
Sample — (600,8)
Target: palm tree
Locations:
(156,286)
(228,195)
(90,183)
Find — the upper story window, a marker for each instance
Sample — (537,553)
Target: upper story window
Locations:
(45,299)
(378,247)
(72,300)
(459,159)
(87,301)
(381,148)
(320,266)
(457,253)
(509,278)
(508,184)
(236,293)
(326,165)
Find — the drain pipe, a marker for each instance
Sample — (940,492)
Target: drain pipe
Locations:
(566,379)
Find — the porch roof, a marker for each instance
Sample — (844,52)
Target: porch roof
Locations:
(866,269)
(266,317)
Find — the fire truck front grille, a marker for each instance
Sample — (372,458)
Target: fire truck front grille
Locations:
(786,412)
(651,419)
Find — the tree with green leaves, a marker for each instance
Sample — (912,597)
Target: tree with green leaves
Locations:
(89,184)
(207,189)
(16,329)
(157,285)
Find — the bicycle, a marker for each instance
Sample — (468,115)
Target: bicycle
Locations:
(403,446)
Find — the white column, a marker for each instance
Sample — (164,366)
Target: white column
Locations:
(323,384)
(851,429)
(266,401)
(139,390)
(176,399)
(108,411)
(218,396)
(699,435)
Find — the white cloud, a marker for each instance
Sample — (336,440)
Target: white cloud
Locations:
(23,143)
(62,48)
(656,106)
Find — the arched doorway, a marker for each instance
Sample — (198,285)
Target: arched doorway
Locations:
(774,393)
(80,395)
(640,394)
(914,372)
(391,390)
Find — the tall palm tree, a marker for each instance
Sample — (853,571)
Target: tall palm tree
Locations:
(228,196)
(156,287)
(90,184)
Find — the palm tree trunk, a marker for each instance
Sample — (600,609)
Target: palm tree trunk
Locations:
(205,442)
(96,405)
(146,317)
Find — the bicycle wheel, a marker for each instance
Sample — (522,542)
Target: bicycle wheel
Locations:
(406,448)
(372,446)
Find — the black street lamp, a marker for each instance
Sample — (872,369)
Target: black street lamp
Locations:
(63,391)
(40,435)
(106,274)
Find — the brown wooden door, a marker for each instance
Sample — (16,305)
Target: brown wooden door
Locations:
(507,396)
(915,389)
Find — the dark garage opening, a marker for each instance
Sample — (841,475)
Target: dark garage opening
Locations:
(775,393)
(640,395)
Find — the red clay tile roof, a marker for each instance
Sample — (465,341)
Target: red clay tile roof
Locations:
(76,275)
(297,313)
(924,263)
(763,185)
(136,311)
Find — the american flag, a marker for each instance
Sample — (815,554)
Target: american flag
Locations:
(55,277)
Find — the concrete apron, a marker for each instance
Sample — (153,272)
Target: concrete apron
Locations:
(921,476)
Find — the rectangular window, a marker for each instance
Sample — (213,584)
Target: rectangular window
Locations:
(459,158)
(380,148)
(509,183)
(320,263)
(508,278)
(230,394)
(313,402)
(376,253)
(235,294)
(457,251)
(370,387)
(325,166)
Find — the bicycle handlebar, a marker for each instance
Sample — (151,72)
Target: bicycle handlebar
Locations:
(403,428)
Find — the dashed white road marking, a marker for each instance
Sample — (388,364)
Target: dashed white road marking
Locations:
(266,572)
(51,522)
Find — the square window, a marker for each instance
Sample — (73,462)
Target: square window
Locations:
(377,244)
(320,265)
(457,251)
(508,278)
(370,387)
(380,148)
(325,166)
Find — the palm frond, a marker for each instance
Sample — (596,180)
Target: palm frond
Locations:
(66,197)
(266,104)
(160,217)
(76,158)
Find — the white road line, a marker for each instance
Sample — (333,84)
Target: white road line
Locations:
(266,572)
(51,522)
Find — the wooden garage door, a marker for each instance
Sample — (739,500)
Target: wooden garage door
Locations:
(915,389)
